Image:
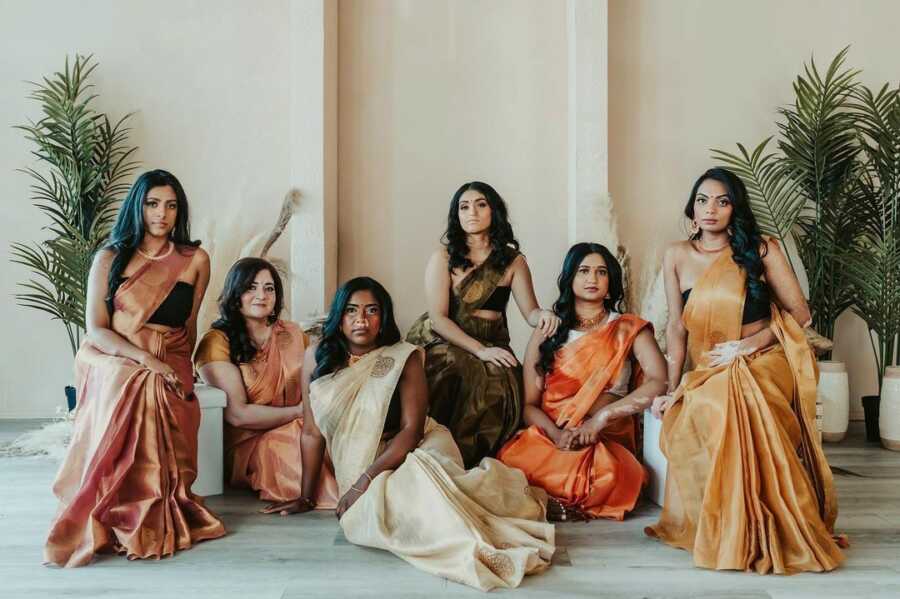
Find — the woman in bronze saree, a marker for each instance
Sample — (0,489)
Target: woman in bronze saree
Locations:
(474,380)
(748,485)
(255,358)
(125,484)
(402,483)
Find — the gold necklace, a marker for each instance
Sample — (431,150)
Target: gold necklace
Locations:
(699,246)
(159,256)
(590,323)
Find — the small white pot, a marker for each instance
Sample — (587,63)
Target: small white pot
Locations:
(889,409)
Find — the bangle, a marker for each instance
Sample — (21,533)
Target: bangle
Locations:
(307,502)
(366,474)
(357,489)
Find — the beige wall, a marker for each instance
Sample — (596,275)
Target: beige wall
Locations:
(692,75)
(211,85)
(435,93)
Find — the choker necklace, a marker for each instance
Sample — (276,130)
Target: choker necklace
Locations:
(157,257)
(354,358)
(590,323)
(699,246)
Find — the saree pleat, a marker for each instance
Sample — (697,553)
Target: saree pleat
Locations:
(748,486)
(269,461)
(605,479)
(124,485)
(479,402)
(484,527)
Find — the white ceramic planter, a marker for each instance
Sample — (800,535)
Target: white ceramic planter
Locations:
(834,398)
(889,409)
(210,468)
(654,460)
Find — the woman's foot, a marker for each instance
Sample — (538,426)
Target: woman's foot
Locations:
(557,511)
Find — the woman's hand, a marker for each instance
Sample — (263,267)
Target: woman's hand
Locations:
(154,364)
(564,438)
(497,356)
(355,491)
(589,432)
(547,323)
(660,404)
(725,353)
(295,506)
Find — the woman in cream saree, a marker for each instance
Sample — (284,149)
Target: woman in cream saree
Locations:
(125,484)
(401,479)
(748,485)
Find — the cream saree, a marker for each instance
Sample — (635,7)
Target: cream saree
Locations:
(748,486)
(483,527)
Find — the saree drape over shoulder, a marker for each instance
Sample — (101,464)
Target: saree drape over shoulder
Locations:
(268,461)
(125,484)
(748,485)
(484,527)
(603,480)
(480,402)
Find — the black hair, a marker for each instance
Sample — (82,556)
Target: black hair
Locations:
(333,353)
(504,246)
(564,306)
(231,322)
(744,234)
(128,232)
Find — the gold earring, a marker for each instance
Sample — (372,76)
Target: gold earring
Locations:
(730,231)
(695,228)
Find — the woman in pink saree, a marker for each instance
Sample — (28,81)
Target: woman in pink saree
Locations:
(125,484)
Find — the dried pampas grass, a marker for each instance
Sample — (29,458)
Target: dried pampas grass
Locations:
(51,440)
(653,307)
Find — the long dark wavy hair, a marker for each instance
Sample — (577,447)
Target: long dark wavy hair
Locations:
(231,322)
(504,246)
(746,239)
(128,232)
(564,306)
(333,352)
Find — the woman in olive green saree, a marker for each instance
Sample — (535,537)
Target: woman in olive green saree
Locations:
(474,380)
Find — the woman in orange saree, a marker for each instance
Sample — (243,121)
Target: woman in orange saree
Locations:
(125,484)
(256,359)
(580,444)
(748,485)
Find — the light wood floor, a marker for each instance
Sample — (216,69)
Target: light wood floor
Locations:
(306,556)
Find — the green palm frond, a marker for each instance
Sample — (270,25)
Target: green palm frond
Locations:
(87,162)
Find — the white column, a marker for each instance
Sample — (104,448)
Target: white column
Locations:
(313,131)
(589,208)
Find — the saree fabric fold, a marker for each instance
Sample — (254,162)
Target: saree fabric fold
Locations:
(480,402)
(268,461)
(125,483)
(605,479)
(748,486)
(484,527)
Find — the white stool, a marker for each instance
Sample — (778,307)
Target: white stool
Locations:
(210,469)
(654,460)
(833,394)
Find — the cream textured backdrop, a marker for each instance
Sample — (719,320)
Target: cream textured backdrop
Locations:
(692,75)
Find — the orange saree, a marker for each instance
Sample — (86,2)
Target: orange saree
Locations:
(269,461)
(125,484)
(748,485)
(603,480)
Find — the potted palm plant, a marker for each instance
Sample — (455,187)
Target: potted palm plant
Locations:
(83,162)
(873,263)
(803,194)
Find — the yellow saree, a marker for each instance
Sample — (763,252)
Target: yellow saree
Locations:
(125,484)
(748,485)
(484,527)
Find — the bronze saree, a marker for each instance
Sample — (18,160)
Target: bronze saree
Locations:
(748,485)
(483,527)
(125,484)
(480,402)
(268,461)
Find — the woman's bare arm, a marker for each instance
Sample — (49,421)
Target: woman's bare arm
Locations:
(238,411)
(784,284)
(676,334)
(437,293)
(534,387)
(201,260)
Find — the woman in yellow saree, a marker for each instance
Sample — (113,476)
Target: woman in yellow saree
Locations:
(125,484)
(580,444)
(401,478)
(255,357)
(474,380)
(748,485)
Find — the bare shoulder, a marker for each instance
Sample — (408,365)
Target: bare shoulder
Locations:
(439,256)
(677,250)
(103,259)
(201,257)
(770,247)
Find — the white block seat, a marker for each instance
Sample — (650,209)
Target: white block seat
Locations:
(210,467)
(654,460)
